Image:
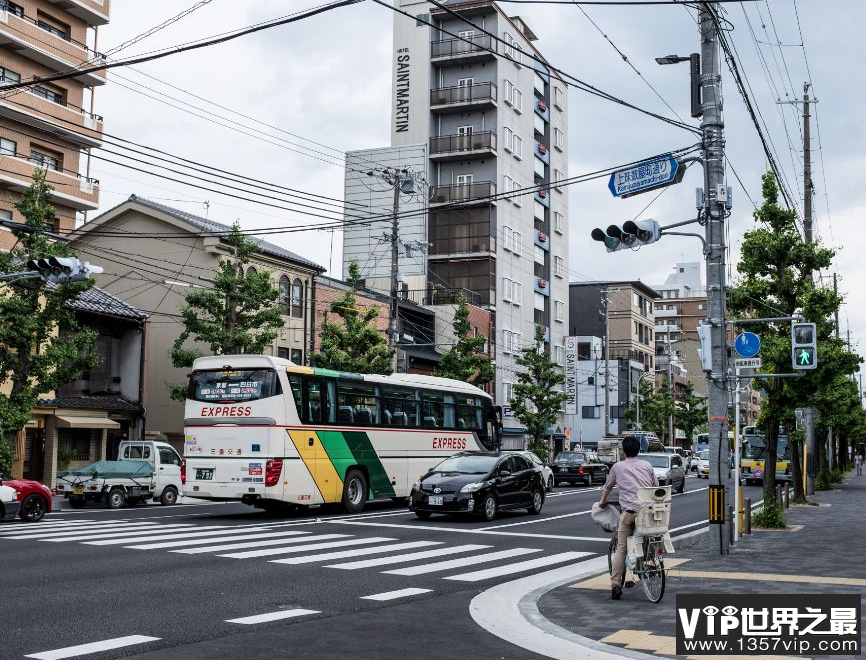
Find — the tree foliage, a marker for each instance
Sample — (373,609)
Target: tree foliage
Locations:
(240,314)
(465,360)
(652,411)
(535,402)
(352,344)
(35,359)
(776,279)
(691,415)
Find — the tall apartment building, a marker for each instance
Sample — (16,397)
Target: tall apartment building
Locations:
(50,125)
(494,122)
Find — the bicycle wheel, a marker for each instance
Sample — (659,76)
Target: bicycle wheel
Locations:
(611,551)
(652,576)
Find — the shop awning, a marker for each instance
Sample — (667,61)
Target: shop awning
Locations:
(68,421)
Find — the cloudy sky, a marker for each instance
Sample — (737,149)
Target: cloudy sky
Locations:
(308,91)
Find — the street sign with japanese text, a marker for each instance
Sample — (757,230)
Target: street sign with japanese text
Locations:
(748,363)
(644,176)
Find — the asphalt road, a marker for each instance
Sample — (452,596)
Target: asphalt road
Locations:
(343,586)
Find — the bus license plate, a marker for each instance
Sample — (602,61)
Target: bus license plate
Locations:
(204,474)
(78,490)
(435,500)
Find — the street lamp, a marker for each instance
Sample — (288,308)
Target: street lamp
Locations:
(695,70)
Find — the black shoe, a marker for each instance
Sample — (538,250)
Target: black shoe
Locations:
(615,593)
(629,584)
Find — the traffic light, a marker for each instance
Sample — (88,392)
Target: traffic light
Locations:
(63,269)
(631,235)
(804,350)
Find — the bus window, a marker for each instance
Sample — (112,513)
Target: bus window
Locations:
(468,413)
(315,401)
(232,385)
(357,403)
(399,407)
(433,409)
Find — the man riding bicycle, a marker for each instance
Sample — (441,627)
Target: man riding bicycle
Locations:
(629,475)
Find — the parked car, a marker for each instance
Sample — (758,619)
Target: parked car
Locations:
(668,468)
(578,466)
(704,464)
(9,504)
(481,483)
(35,498)
(546,470)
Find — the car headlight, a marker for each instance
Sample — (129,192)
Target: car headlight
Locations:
(473,487)
(416,485)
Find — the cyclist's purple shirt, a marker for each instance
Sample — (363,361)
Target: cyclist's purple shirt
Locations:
(629,475)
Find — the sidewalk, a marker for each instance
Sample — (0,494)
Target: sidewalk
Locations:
(821,552)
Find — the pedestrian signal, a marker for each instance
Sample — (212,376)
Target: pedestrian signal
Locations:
(804,350)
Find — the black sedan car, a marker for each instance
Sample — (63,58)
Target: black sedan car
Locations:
(578,467)
(479,483)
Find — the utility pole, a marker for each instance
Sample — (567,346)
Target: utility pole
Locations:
(670,390)
(811,439)
(713,144)
(606,303)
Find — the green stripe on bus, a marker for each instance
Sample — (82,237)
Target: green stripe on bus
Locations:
(338,451)
(362,448)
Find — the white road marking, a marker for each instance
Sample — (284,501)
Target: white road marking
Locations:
(411,556)
(69,533)
(402,593)
(59,529)
(304,548)
(258,544)
(462,561)
(131,534)
(197,541)
(460,530)
(356,552)
(93,647)
(534,520)
(700,522)
(168,535)
(508,569)
(272,616)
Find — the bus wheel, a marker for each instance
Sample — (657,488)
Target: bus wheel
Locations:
(354,491)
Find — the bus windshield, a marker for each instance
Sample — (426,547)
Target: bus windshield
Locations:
(232,385)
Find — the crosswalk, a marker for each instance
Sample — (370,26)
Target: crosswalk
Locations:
(289,544)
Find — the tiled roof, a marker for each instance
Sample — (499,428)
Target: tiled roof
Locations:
(99,301)
(203,224)
(104,402)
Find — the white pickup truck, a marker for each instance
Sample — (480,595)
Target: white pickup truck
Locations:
(142,471)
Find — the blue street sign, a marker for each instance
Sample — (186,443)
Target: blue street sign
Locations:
(748,344)
(644,176)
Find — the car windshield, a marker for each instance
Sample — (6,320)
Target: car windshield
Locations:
(571,457)
(655,461)
(705,455)
(467,464)
(532,457)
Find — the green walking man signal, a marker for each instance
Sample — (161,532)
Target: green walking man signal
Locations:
(804,351)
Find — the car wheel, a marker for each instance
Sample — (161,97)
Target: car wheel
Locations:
(76,502)
(537,502)
(682,485)
(168,497)
(33,508)
(550,483)
(488,508)
(115,498)
(423,515)
(354,491)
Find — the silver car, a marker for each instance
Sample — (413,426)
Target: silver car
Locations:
(546,470)
(668,468)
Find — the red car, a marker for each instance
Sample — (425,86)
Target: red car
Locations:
(34,497)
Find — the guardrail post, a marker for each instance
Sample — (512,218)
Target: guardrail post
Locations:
(731,520)
(787,493)
(779,495)
(748,516)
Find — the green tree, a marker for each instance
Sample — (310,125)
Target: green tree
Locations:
(655,408)
(691,416)
(464,361)
(34,358)
(536,403)
(352,344)
(240,314)
(775,279)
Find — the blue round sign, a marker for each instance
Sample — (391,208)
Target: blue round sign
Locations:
(748,344)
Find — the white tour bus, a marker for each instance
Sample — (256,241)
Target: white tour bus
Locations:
(264,431)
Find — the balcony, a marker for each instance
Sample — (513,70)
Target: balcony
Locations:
(666,313)
(463,192)
(461,147)
(458,232)
(72,190)
(68,122)
(542,152)
(667,329)
(480,96)
(93,12)
(441,296)
(542,196)
(460,51)
(541,285)
(23,35)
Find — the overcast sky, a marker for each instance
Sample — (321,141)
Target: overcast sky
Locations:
(327,79)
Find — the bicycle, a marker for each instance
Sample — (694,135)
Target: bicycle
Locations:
(651,526)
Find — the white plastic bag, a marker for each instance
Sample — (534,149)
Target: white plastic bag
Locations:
(607,518)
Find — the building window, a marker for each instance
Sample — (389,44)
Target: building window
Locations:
(465,179)
(52,26)
(539,210)
(49,162)
(75,442)
(517,147)
(539,255)
(507,184)
(558,176)
(558,139)
(559,266)
(508,136)
(512,291)
(559,311)
(282,353)
(513,49)
(517,243)
(284,290)
(558,222)
(297,356)
(508,234)
(12,8)
(590,412)
(297,299)
(7,76)
(559,355)
(48,94)
(517,198)
(508,392)
(558,98)
(7,147)
(513,96)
